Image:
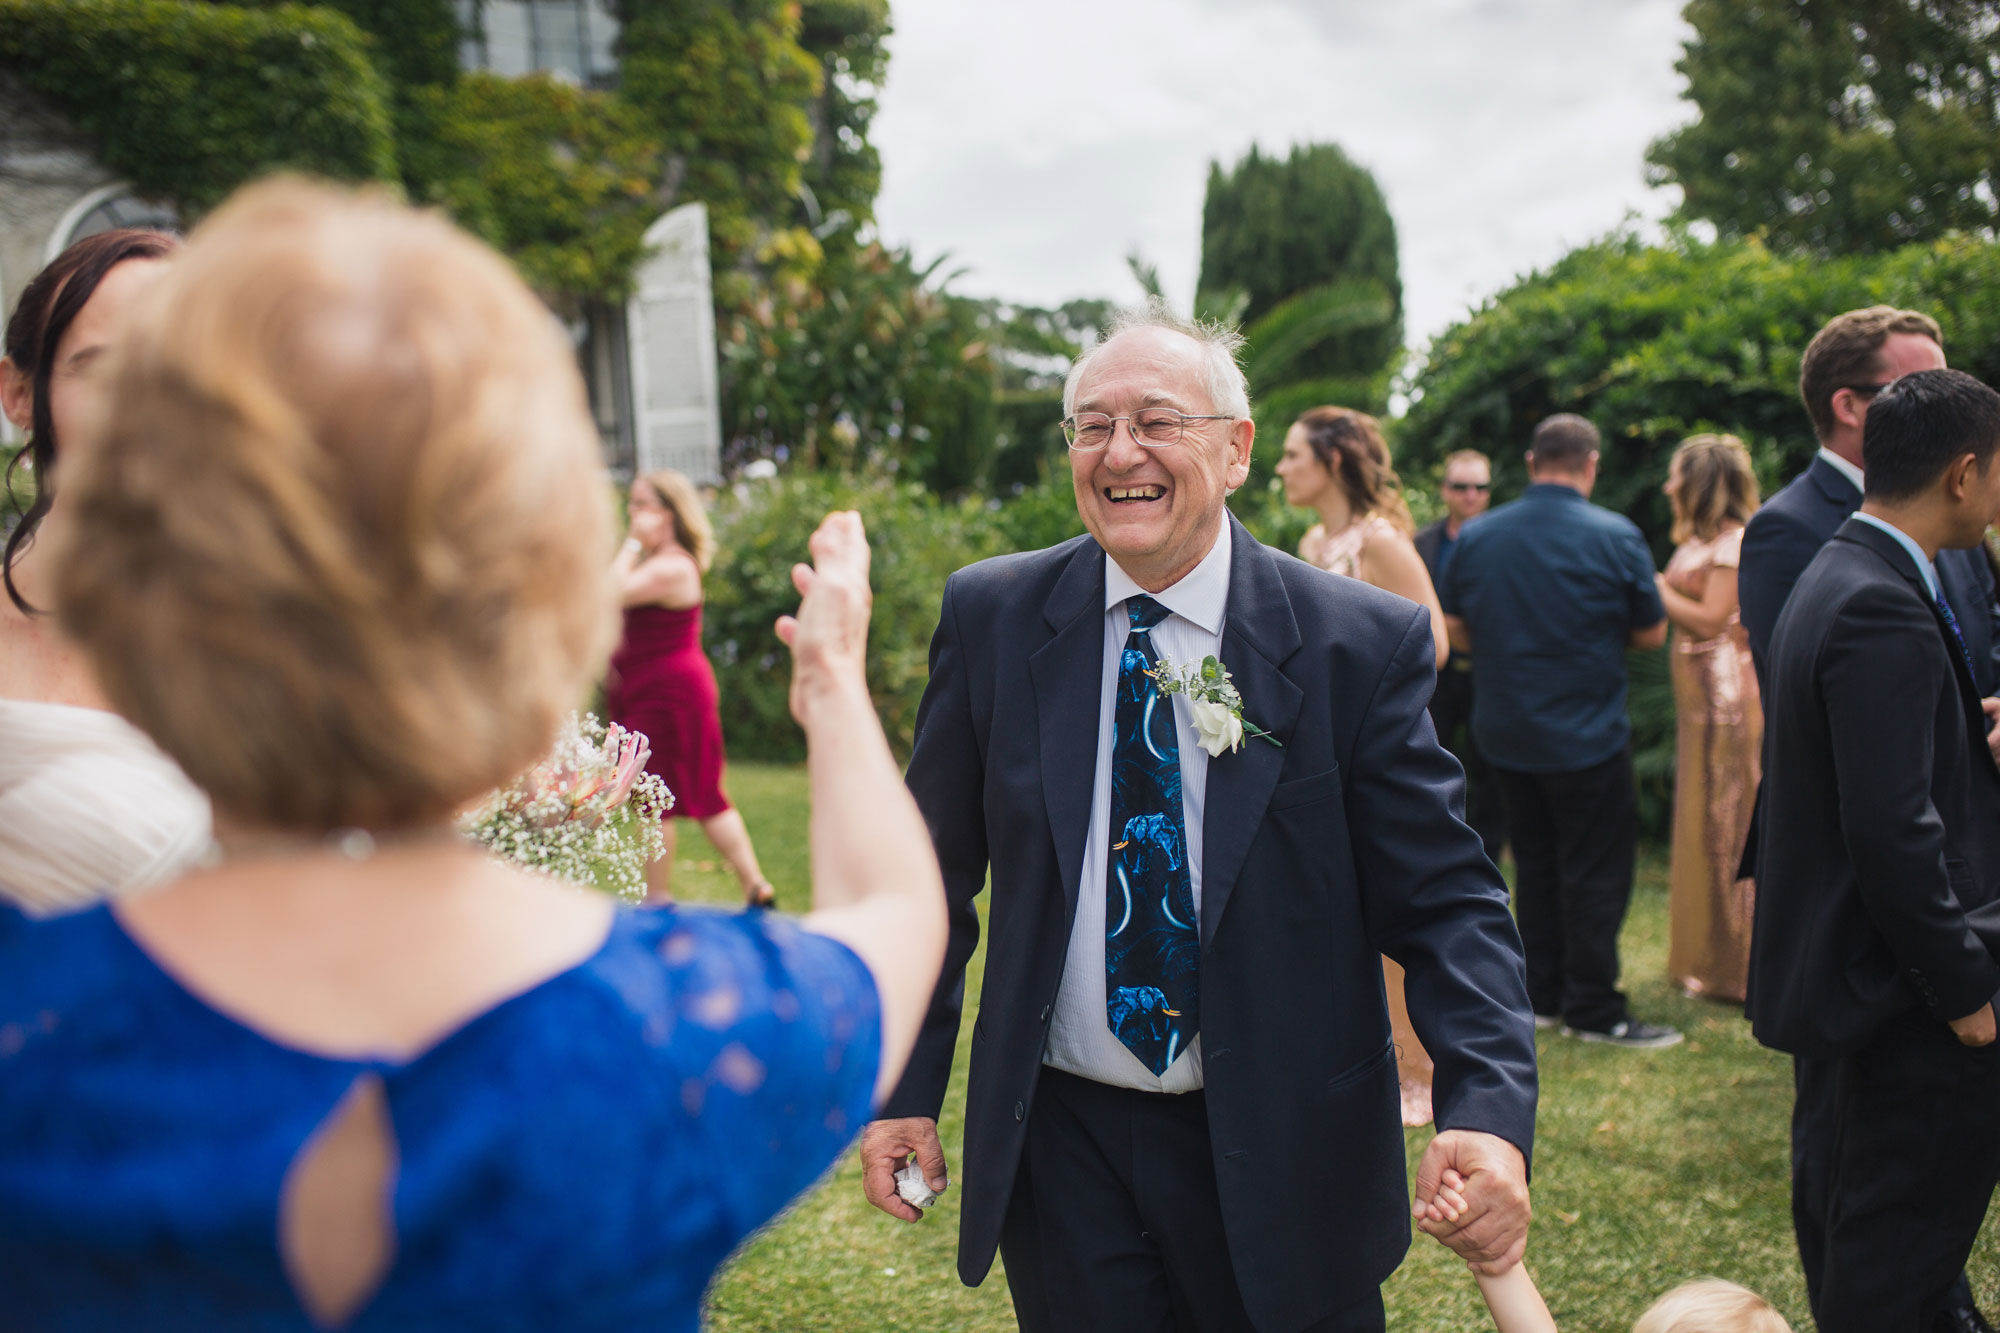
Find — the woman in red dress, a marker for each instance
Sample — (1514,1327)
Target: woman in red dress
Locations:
(660,682)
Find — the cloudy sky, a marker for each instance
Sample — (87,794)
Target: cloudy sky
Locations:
(1039,141)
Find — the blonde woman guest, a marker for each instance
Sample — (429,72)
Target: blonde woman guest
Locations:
(1720,718)
(88,805)
(1336,463)
(340,549)
(660,682)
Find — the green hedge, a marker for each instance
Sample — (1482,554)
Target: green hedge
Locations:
(1654,344)
(188,101)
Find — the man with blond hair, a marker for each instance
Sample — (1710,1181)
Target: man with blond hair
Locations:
(1181,1062)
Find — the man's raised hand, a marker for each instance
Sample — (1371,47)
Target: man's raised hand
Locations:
(885,1146)
(1472,1195)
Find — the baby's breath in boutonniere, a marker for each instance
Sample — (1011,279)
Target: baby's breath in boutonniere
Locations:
(1214,701)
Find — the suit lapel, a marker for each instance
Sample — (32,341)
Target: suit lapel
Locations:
(1900,560)
(1834,485)
(1259,633)
(1068,677)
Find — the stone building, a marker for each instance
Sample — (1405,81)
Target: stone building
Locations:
(649,363)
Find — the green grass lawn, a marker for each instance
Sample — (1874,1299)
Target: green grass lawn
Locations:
(1652,1167)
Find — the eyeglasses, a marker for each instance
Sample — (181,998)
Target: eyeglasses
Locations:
(1468,485)
(1865,390)
(1154,427)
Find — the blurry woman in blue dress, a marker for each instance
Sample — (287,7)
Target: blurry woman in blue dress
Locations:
(339,548)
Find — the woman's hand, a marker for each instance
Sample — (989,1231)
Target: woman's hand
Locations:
(829,635)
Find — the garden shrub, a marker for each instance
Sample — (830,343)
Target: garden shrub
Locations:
(761,529)
(188,101)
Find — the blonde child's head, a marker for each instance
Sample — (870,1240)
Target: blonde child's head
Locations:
(1711,1306)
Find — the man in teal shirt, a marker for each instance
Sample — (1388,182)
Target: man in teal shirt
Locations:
(1547,594)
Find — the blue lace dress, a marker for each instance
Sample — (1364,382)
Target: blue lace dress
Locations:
(582,1156)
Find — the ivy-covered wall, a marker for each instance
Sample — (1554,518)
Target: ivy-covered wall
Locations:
(187,101)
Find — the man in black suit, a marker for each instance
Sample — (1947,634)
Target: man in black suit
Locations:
(1183,1108)
(1875,955)
(1467,488)
(1850,360)
(1847,363)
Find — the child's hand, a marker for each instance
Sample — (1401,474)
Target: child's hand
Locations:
(1448,1204)
(1483,1218)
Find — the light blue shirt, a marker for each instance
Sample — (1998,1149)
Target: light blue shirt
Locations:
(1924,566)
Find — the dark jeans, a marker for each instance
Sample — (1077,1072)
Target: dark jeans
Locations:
(1115,1224)
(1451,714)
(1574,835)
(1895,1151)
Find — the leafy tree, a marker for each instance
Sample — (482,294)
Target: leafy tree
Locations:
(844,172)
(1839,126)
(1272,228)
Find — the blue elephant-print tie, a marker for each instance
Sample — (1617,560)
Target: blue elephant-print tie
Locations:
(1152,947)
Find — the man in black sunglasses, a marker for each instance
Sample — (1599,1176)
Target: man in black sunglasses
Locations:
(1467,489)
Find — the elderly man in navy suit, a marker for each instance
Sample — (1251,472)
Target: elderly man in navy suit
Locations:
(1183,1108)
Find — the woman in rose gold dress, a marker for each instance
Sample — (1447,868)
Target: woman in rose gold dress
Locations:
(1335,462)
(1721,719)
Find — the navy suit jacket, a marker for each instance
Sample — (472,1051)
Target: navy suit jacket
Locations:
(1346,843)
(1783,537)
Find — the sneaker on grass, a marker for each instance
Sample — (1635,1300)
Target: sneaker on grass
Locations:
(1631,1032)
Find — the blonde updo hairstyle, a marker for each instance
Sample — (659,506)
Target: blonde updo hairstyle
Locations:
(1718,486)
(340,545)
(690,516)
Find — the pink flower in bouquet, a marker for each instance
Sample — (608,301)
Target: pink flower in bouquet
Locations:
(588,812)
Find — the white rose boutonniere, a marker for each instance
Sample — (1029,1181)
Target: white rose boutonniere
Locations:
(1214,701)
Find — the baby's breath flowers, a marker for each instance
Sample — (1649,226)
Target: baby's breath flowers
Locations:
(588,812)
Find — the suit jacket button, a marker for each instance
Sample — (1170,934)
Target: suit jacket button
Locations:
(1020,1111)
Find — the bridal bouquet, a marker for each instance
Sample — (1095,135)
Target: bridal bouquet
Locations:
(588,812)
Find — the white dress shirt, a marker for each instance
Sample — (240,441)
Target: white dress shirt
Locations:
(1842,466)
(1080,1037)
(1908,543)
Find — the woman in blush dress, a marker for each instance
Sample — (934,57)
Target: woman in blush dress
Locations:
(88,805)
(340,548)
(1336,463)
(1720,717)
(660,683)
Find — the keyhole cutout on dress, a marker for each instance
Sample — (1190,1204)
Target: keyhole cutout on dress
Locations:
(336,1221)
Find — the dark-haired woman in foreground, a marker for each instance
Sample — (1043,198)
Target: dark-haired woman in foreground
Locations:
(88,806)
(340,547)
